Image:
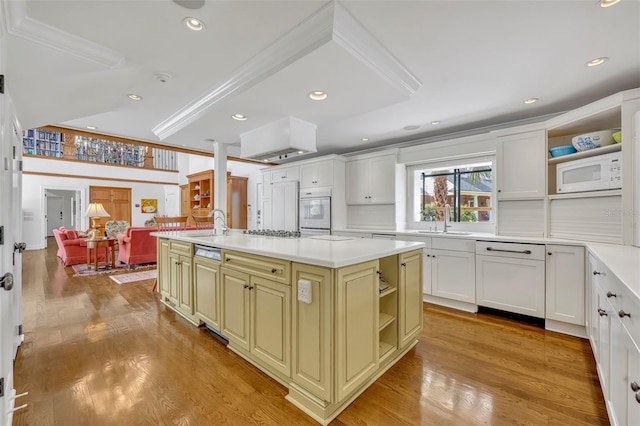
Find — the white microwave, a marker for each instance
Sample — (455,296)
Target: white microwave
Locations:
(590,174)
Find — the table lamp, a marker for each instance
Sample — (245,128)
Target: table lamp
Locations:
(95,211)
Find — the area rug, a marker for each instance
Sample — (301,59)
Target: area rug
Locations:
(135,276)
(81,270)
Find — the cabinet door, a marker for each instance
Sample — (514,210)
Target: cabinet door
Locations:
(288,174)
(312,330)
(324,173)
(164,262)
(271,323)
(174,278)
(356,326)
(382,178)
(357,176)
(308,176)
(497,288)
(185,287)
(605,316)
(267,213)
(521,163)
(266,184)
(633,397)
(453,275)
(565,292)
(234,288)
(410,296)
(207,291)
(618,374)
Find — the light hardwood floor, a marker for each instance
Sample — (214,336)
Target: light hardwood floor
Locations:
(98,353)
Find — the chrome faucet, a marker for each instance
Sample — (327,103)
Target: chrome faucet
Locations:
(225,229)
(447,215)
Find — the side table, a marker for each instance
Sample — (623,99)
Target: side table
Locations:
(93,248)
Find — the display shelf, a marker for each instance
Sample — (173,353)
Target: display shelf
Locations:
(586,154)
(385,349)
(388,291)
(43,143)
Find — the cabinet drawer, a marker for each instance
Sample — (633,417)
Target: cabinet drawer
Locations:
(180,247)
(513,250)
(611,287)
(456,244)
(274,269)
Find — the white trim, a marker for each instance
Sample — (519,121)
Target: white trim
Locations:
(20,25)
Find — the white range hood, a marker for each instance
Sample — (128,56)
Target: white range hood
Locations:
(281,139)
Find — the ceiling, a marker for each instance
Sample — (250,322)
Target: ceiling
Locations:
(385,65)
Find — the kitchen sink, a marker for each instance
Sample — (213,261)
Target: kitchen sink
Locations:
(445,233)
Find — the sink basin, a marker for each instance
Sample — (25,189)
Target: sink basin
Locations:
(445,233)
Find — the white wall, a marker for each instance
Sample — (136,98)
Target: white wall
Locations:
(148,184)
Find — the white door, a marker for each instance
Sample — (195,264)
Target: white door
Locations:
(11,222)
(54,213)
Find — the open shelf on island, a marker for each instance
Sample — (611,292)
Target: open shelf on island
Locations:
(385,320)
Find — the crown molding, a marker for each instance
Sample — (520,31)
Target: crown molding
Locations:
(20,25)
(329,23)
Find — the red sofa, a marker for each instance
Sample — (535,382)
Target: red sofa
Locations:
(72,248)
(136,246)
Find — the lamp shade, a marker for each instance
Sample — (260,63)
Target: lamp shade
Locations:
(96,210)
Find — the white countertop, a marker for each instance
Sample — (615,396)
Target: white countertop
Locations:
(332,253)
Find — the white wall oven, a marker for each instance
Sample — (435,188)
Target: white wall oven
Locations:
(315,212)
(590,174)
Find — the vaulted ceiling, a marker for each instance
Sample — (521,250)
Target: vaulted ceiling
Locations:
(390,67)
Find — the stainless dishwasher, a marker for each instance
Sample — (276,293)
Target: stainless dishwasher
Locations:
(511,277)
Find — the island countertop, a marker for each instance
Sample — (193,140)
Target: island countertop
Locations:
(328,251)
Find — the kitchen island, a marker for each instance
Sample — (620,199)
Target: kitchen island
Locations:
(325,316)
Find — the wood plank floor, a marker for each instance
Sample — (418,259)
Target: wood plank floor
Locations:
(98,353)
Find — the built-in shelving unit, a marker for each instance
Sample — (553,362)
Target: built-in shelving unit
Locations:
(387,319)
(586,154)
(43,143)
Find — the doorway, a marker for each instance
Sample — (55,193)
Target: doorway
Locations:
(62,208)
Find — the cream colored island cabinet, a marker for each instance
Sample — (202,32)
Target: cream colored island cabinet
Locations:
(324,318)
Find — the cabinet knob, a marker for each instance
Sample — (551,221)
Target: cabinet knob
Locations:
(549,253)
(596,273)
(499,190)
(246,286)
(635,387)
(227,260)
(638,398)
(250,287)
(602,312)
(433,256)
(428,255)
(403,264)
(623,314)
(274,270)
(610,294)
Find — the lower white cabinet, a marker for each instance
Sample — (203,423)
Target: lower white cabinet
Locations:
(613,333)
(565,285)
(511,277)
(453,275)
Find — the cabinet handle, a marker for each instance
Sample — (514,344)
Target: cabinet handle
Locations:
(596,273)
(602,312)
(433,256)
(623,314)
(509,251)
(428,255)
(635,387)
(228,259)
(403,264)
(638,398)
(609,294)
(250,287)
(549,253)
(274,270)
(246,286)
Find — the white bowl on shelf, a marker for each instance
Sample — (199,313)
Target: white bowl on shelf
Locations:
(593,140)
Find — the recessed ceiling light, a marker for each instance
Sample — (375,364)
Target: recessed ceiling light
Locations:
(134,97)
(364,139)
(300,152)
(435,123)
(531,101)
(317,95)
(411,127)
(597,61)
(239,117)
(92,128)
(607,3)
(193,24)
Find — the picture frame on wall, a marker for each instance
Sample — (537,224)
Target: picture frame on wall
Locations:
(149,205)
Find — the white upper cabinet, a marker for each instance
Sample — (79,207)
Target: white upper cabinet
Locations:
(280,174)
(521,165)
(318,174)
(371,180)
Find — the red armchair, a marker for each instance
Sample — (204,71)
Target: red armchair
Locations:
(137,246)
(72,248)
